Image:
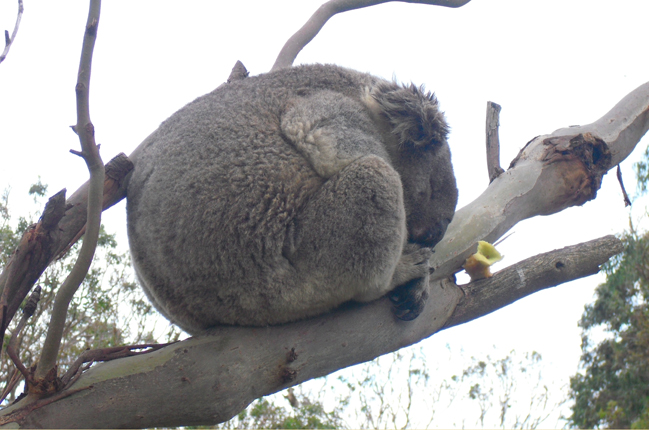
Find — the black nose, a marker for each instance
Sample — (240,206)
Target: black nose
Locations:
(430,236)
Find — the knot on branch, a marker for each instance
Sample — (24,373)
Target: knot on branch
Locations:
(50,384)
(91,28)
(118,168)
(582,161)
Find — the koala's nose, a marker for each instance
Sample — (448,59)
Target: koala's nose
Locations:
(431,235)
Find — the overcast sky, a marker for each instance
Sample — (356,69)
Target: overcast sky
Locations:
(549,64)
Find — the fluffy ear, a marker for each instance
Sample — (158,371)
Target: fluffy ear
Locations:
(413,113)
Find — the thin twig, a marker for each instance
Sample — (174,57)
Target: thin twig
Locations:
(90,154)
(10,40)
(627,201)
(106,354)
(28,311)
(15,378)
(305,34)
(493,142)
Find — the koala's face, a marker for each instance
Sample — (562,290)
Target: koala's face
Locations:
(429,191)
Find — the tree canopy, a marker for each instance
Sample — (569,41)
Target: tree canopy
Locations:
(613,391)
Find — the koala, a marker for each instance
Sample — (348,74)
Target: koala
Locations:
(279,197)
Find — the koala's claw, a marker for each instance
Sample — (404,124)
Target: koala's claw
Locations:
(409,299)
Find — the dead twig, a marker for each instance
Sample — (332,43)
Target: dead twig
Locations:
(493,141)
(28,311)
(10,40)
(627,201)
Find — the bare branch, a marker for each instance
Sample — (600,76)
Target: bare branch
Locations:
(9,40)
(220,373)
(30,259)
(552,172)
(90,154)
(493,142)
(313,26)
(532,275)
(627,200)
(622,127)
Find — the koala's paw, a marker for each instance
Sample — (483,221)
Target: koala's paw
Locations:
(409,299)
(413,264)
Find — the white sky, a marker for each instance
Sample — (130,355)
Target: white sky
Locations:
(550,64)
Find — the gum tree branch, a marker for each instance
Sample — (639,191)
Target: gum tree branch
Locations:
(531,275)
(9,40)
(552,172)
(90,154)
(313,26)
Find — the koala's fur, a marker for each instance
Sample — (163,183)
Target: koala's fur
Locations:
(281,196)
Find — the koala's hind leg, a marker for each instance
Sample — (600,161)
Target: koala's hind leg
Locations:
(347,242)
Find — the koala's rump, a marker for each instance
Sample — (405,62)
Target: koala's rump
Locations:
(209,204)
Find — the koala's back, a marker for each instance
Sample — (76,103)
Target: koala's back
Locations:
(213,193)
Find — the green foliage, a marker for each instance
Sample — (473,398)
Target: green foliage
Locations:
(108,310)
(613,391)
(642,172)
(38,190)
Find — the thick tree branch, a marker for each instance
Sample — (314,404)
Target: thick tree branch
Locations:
(552,172)
(218,374)
(622,127)
(313,26)
(9,40)
(221,372)
(531,275)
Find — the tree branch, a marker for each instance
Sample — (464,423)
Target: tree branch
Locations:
(313,26)
(552,172)
(220,373)
(60,226)
(493,142)
(90,154)
(531,275)
(10,40)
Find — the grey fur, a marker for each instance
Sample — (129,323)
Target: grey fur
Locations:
(281,196)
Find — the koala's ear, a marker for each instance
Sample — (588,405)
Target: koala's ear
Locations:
(413,114)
